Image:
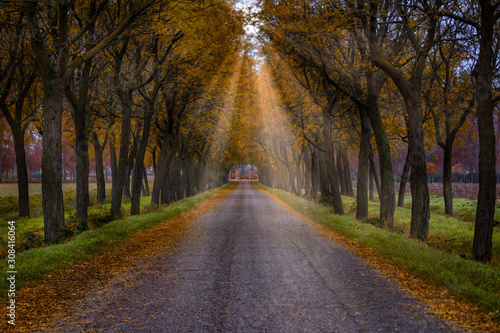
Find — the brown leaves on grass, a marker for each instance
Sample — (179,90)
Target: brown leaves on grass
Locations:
(40,302)
(441,300)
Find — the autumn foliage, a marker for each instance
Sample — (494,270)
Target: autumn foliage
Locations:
(334,98)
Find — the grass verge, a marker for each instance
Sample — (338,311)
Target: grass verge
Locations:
(37,263)
(471,281)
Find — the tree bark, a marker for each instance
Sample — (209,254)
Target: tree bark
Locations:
(333,176)
(300,186)
(363,166)
(146,183)
(370,182)
(314,174)
(99,168)
(483,229)
(347,173)
(130,169)
(82,170)
(113,161)
(340,170)
(22,177)
(18,131)
(52,195)
(54,83)
(80,115)
(116,193)
(447,184)
(374,175)
(403,181)
(386,190)
(420,212)
(201,177)
(307,171)
(55,67)
(139,162)
(165,156)
(324,183)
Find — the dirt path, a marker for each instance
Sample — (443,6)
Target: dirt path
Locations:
(250,266)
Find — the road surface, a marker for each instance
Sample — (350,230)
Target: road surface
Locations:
(249,266)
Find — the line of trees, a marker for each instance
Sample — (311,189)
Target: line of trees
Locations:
(375,74)
(172,86)
(140,80)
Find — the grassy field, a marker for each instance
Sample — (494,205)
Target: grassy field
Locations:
(38,262)
(10,189)
(8,209)
(442,261)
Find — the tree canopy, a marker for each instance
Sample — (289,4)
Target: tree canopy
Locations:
(330,97)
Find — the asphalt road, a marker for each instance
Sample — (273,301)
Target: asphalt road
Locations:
(249,266)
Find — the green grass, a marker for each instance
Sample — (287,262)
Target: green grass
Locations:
(10,189)
(35,263)
(9,198)
(440,265)
(8,212)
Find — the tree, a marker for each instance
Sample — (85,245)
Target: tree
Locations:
(149,100)
(484,19)
(54,49)
(410,87)
(17,80)
(99,165)
(129,75)
(446,98)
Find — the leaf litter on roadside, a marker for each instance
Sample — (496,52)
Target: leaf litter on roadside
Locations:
(44,300)
(443,303)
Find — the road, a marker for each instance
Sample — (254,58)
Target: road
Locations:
(249,266)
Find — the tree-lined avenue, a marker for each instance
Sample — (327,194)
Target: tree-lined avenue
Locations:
(250,266)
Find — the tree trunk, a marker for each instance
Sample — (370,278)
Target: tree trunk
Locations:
(22,175)
(374,175)
(113,162)
(79,105)
(386,191)
(307,172)
(363,165)
(189,174)
(370,182)
(420,212)
(126,183)
(146,183)
(447,186)
(347,173)
(153,157)
(340,170)
(483,230)
(324,184)
(130,165)
(201,174)
(15,125)
(52,195)
(116,193)
(299,187)
(139,162)
(99,168)
(402,182)
(165,156)
(333,176)
(314,174)
(82,165)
